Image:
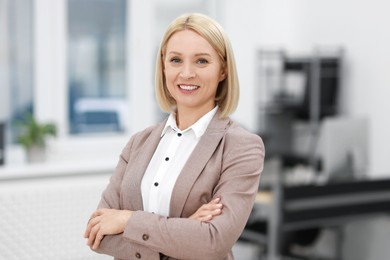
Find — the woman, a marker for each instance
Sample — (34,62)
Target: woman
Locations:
(184,189)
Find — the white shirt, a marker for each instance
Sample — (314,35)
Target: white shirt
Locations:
(168,160)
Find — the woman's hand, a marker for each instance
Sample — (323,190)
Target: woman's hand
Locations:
(105,222)
(208,211)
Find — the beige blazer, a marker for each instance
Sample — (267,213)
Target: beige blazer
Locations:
(226,163)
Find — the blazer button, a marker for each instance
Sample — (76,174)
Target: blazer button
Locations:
(145,237)
(138,255)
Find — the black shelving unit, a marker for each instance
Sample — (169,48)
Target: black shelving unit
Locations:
(303,89)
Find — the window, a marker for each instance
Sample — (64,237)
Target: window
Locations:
(85,65)
(96,72)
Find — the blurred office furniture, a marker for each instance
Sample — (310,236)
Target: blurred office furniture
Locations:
(2,141)
(343,148)
(313,144)
(44,210)
(97,115)
(297,93)
(288,209)
(342,153)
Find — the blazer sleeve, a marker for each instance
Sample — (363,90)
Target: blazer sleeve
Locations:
(117,245)
(184,238)
(112,245)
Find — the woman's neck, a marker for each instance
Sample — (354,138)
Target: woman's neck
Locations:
(187,117)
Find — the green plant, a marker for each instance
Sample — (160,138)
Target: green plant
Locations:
(34,133)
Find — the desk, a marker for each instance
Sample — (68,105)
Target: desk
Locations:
(292,208)
(267,208)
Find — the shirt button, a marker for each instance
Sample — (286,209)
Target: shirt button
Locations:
(178,134)
(145,237)
(156,184)
(166,158)
(138,255)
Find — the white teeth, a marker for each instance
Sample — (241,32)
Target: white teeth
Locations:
(188,87)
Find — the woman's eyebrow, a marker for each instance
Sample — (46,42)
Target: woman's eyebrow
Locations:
(174,52)
(203,54)
(197,54)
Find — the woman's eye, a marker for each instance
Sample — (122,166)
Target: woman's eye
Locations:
(175,60)
(202,61)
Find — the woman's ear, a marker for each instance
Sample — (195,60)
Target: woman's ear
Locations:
(223,75)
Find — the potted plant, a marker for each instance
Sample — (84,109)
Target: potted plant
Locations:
(33,137)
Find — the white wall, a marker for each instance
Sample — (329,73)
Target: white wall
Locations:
(299,26)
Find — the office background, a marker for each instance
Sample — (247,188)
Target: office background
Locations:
(297,27)
(61,59)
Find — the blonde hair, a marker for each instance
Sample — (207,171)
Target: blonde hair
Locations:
(228,91)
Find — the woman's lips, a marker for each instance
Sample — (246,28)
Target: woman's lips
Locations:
(188,87)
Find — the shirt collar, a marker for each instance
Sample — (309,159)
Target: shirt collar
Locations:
(199,127)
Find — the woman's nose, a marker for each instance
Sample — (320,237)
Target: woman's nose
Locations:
(187,72)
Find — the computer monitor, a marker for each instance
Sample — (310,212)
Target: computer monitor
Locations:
(343,147)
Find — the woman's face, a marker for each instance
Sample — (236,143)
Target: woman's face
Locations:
(192,71)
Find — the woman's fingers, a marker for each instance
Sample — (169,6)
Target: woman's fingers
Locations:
(211,206)
(215,201)
(208,211)
(105,222)
(95,218)
(96,234)
(206,218)
(92,235)
(95,214)
(98,238)
(91,223)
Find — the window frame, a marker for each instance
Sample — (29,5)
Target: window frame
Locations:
(50,65)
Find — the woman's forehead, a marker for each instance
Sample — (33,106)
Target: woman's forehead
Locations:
(189,41)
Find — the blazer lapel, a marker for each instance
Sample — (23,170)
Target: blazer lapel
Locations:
(195,164)
(140,164)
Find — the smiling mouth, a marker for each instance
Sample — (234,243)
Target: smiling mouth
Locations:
(188,87)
